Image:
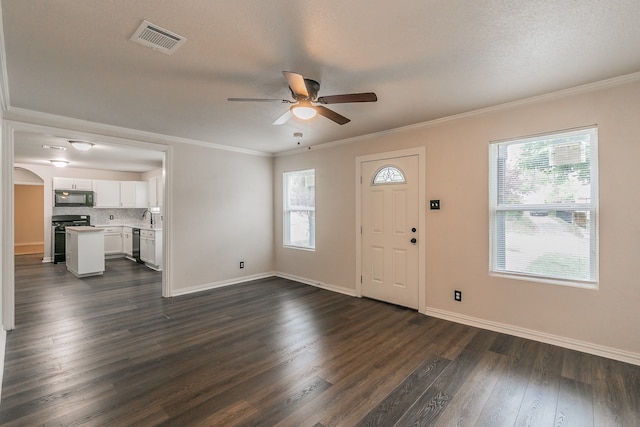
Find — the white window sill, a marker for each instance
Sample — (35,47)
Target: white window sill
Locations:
(561,282)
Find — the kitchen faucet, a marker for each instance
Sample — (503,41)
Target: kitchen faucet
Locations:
(144,216)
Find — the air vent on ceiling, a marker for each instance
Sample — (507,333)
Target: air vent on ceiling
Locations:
(157,38)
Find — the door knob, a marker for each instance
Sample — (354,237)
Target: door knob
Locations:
(413,240)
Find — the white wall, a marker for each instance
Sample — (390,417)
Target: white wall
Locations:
(457,255)
(221,214)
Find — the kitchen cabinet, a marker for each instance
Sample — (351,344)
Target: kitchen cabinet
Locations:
(151,248)
(72,184)
(120,194)
(107,193)
(113,240)
(133,194)
(155,191)
(127,241)
(84,251)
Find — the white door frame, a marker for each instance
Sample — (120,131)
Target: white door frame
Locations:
(422,205)
(9,127)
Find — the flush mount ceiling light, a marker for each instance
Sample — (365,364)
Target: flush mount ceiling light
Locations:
(81,145)
(54,147)
(59,163)
(304,110)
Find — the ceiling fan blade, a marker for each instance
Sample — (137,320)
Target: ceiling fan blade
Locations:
(348,97)
(282,101)
(331,115)
(283,118)
(296,83)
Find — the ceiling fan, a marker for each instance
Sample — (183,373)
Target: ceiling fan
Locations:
(305,95)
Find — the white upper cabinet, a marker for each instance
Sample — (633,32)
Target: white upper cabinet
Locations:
(120,194)
(107,194)
(156,191)
(72,184)
(133,194)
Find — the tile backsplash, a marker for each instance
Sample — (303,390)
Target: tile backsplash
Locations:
(101,216)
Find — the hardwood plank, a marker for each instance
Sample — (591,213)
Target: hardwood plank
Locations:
(574,404)
(503,404)
(433,402)
(608,388)
(577,366)
(391,409)
(540,401)
(467,405)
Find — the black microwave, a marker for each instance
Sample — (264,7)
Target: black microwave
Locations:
(72,198)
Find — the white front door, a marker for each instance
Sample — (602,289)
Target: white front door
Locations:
(390,220)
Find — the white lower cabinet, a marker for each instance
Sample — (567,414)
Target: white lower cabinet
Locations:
(151,248)
(84,253)
(127,241)
(113,241)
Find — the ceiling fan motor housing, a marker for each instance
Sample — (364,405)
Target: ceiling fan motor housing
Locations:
(312,88)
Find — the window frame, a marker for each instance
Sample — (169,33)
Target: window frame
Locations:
(287,210)
(592,207)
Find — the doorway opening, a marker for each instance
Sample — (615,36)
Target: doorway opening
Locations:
(9,222)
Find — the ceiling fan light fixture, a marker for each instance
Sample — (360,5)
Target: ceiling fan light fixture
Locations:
(304,110)
(59,163)
(81,145)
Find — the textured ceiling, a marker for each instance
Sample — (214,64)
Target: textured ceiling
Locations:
(425,59)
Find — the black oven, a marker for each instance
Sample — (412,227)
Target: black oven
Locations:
(72,198)
(58,233)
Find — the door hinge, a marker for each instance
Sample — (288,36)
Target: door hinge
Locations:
(360,279)
(360,179)
(360,229)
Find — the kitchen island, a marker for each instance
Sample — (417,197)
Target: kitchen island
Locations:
(85,250)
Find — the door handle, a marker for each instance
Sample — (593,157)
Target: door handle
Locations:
(413,240)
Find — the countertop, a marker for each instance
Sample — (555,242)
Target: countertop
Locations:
(140,226)
(84,229)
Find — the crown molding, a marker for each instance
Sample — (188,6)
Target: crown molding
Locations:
(589,87)
(21,115)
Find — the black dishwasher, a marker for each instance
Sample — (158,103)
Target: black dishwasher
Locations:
(135,251)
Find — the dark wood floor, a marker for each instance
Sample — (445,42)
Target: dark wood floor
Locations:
(109,351)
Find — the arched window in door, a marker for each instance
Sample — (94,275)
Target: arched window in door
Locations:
(388,175)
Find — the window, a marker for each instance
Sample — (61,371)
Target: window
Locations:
(543,199)
(388,175)
(300,209)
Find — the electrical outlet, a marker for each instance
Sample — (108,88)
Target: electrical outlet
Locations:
(434,204)
(241,264)
(457,295)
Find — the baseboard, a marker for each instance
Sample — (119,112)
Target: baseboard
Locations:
(220,284)
(586,347)
(327,286)
(3,347)
(238,280)
(28,248)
